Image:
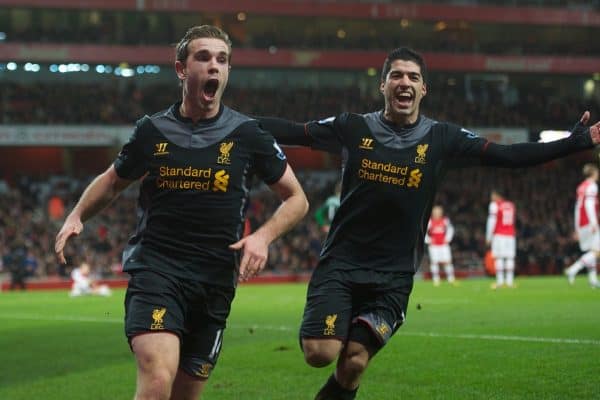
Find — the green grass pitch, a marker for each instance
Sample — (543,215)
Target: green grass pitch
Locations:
(539,341)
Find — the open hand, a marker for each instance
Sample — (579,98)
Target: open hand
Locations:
(594,130)
(254,255)
(72,226)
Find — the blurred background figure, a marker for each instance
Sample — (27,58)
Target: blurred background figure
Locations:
(438,237)
(586,226)
(325,213)
(16,263)
(500,235)
(85,284)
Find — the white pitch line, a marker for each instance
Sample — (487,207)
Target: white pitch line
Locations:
(60,318)
(283,328)
(503,337)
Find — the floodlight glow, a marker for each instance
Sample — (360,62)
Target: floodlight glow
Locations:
(552,135)
(74,67)
(100,69)
(85,67)
(11,66)
(127,72)
(589,87)
(140,69)
(62,68)
(53,68)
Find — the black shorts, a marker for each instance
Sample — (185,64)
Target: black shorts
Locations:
(338,299)
(194,311)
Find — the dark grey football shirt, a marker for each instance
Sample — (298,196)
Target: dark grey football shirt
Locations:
(195,190)
(389,180)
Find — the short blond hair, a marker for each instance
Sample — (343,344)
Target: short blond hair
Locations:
(589,169)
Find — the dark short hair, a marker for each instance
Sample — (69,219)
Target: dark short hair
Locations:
(197,32)
(405,54)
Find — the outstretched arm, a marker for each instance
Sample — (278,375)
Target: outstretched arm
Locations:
(528,154)
(256,245)
(99,194)
(286,132)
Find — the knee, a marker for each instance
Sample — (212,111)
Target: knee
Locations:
(155,379)
(355,362)
(320,353)
(156,384)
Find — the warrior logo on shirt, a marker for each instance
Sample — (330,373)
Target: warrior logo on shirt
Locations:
(366,143)
(421,153)
(330,325)
(157,316)
(161,149)
(225,149)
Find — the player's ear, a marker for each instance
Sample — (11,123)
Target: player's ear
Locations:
(180,70)
(424,89)
(382,86)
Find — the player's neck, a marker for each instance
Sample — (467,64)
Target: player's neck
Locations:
(195,111)
(400,120)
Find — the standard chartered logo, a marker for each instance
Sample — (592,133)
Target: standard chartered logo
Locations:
(414,180)
(391,174)
(221,181)
(189,178)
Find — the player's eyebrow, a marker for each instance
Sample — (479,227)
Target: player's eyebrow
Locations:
(208,53)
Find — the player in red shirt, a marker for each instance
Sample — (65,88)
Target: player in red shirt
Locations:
(586,226)
(500,234)
(438,237)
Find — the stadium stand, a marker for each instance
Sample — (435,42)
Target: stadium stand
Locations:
(93,70)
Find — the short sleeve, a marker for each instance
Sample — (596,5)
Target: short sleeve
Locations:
(269,160)
(129,163)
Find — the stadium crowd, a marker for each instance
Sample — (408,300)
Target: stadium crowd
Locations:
(116,103)
(261,32)
(544,198)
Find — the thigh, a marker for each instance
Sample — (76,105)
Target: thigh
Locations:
(156,350)
(439,254)
(504,246)
(328,309)
(446,254)
(153,303)
(208,309)
(589,239)
(382,306)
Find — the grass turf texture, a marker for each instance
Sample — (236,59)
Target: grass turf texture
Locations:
(539,341)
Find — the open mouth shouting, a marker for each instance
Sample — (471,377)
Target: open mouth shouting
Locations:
(210,89)
(404,99)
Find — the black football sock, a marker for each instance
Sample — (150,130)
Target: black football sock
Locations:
(333,391)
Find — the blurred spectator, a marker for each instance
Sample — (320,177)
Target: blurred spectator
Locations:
(113,104)
(544,222)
